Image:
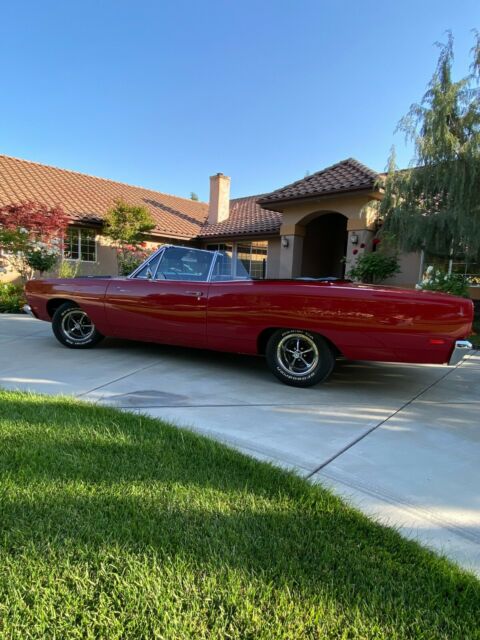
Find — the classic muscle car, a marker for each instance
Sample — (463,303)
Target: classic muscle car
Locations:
(205,299)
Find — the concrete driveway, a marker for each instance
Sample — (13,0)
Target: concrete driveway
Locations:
(402,443)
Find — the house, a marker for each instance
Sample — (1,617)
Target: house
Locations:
(314,227)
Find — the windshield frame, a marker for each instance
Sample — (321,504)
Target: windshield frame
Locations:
(216,255)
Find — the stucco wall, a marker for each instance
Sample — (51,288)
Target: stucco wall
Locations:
(273,258)
(106,263)
(410,271)
(351,206)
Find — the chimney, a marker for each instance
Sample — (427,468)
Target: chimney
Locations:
(219,205)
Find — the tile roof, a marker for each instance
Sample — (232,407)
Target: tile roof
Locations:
(348,175)
(246,218)
(86,198)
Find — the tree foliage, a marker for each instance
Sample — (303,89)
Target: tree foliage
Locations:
(127,224)
(31,236)
(435,204)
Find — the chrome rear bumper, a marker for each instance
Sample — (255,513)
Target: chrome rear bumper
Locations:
(27,309)
(462,347)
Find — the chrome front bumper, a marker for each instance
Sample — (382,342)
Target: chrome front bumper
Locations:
(462,347)
(27,309)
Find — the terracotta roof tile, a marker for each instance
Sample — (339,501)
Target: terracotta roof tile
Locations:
(87,198)
(348,175)
(246,218)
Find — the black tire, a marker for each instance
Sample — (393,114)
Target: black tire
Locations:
(299,358)
(73,328)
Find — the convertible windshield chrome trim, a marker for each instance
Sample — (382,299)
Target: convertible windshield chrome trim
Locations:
(147,261)
(216,255)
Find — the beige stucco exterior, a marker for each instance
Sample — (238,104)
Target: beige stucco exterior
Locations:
(289,260)
(105,263)
(273,258)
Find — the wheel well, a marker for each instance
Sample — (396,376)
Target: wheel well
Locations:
(52,305)
(266,334)
(263,338)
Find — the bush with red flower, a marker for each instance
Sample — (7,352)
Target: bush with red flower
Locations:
(131,256)
(31,237)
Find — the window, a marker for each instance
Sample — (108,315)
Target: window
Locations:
(457,264)
(252,255)
(224,266)
(469,269)
(80,244)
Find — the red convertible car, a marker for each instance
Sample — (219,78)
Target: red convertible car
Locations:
(205,299)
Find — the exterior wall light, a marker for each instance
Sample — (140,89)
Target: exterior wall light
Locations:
(353,238)
(285,242)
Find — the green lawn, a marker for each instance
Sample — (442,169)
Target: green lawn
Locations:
(118,526)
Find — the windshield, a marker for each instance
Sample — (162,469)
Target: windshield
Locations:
(183,263)
(191,264)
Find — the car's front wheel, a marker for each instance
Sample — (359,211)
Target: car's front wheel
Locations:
(73,327)
(299,358)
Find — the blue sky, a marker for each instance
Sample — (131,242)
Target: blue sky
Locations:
(165,93)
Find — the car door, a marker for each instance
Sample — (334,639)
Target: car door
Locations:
(163,302)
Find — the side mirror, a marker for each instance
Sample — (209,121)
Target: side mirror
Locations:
(149,274)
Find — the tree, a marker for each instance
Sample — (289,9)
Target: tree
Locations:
(435,204)
(126,225)
(193,196)
(31,236)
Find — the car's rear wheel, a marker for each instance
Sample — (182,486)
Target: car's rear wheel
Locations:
(73,327)
(299,358)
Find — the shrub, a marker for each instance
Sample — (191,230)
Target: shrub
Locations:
(67,269)
(437,280)
(374,267)
(12,298)
(130,257)
(41,258)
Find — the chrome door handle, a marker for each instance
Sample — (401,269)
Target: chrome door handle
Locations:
(197,294)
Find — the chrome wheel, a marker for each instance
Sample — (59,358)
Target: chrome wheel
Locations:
(77,326)
(297,354)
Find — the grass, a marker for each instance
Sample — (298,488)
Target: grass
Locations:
(119,526)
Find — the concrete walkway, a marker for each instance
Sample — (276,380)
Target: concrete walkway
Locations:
(402,443)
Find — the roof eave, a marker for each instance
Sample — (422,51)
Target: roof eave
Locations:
(271,204)
(241,235)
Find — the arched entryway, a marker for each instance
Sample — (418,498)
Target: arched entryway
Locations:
(324,246)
